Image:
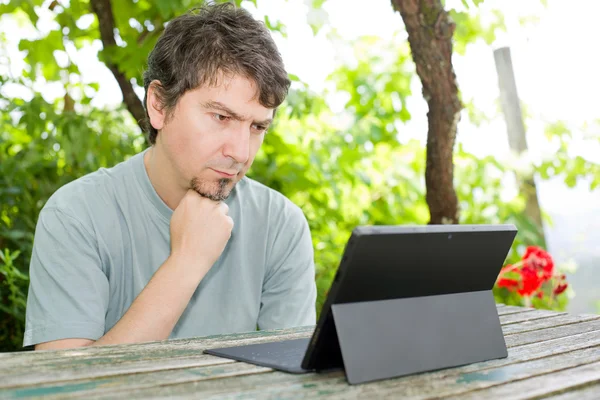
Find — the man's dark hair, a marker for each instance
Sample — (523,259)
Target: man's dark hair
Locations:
(199,46)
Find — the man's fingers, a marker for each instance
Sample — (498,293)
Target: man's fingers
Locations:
(224,207)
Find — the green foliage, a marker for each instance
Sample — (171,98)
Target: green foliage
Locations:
(469,28)
(564,164)
(13,289)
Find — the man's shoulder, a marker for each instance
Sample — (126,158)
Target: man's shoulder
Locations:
(79,196)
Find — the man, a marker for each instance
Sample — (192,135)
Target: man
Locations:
(176,242)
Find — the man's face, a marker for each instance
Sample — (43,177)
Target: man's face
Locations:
(213,135)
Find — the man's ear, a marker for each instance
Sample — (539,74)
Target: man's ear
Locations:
(156,111)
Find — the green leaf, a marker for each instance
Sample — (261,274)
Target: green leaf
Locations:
(276,27)
(27,6)
(11,7)
(38,55)
(164,8)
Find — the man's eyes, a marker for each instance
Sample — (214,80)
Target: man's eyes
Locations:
(259,127)
(220,117)
(223,118)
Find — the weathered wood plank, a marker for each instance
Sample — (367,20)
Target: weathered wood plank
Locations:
(534,325)
(145,348)
(461,385)
(570,348)
(77,366)
(587,392)
(123,363)
(167,349)
(117,383)
(554,346)
(506,310)
(152,348)
(528,316)
(542,386)
(420,386)
(68,372)
(542,335)
(185,386)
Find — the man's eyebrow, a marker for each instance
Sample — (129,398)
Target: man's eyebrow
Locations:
(265,122)
(216,105)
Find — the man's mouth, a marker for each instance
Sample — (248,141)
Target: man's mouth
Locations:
(227,174)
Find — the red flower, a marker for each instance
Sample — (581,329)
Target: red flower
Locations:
(531,281)
(528,275)
(510,284)
(560,288)
(539,259)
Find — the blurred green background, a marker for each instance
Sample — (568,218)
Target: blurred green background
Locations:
(348,145)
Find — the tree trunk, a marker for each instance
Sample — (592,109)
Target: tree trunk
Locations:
(106,22)
(430,36)
(515,128)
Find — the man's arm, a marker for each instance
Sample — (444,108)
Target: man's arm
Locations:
(154,312)
(200,229)
(289,290)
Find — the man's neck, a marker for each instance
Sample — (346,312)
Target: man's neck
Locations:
(161,173)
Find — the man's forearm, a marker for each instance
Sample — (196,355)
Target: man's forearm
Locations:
(156,310)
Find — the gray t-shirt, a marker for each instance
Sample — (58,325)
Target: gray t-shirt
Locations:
(99,240)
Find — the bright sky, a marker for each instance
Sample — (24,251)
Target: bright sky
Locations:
(555,67)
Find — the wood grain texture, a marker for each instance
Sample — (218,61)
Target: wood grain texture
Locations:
(149,347)
(542,335)
(149,350)
(534,325)
(421,386)
(103,386)
(570,349)
(550,354)
(137,361)
(587,392)
(542,386)
(528,316)
(506,310)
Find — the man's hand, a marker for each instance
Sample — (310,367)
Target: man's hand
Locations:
(200,230)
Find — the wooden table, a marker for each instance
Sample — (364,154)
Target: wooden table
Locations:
(551,355)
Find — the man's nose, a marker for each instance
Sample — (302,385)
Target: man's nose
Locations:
(238,144)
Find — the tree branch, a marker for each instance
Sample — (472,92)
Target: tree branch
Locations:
(430,33)
(106,22)
(159,27)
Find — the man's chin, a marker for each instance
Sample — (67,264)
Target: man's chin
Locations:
(216,190)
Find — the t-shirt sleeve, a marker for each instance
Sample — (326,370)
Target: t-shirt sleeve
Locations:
(68,290)
(289,290)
